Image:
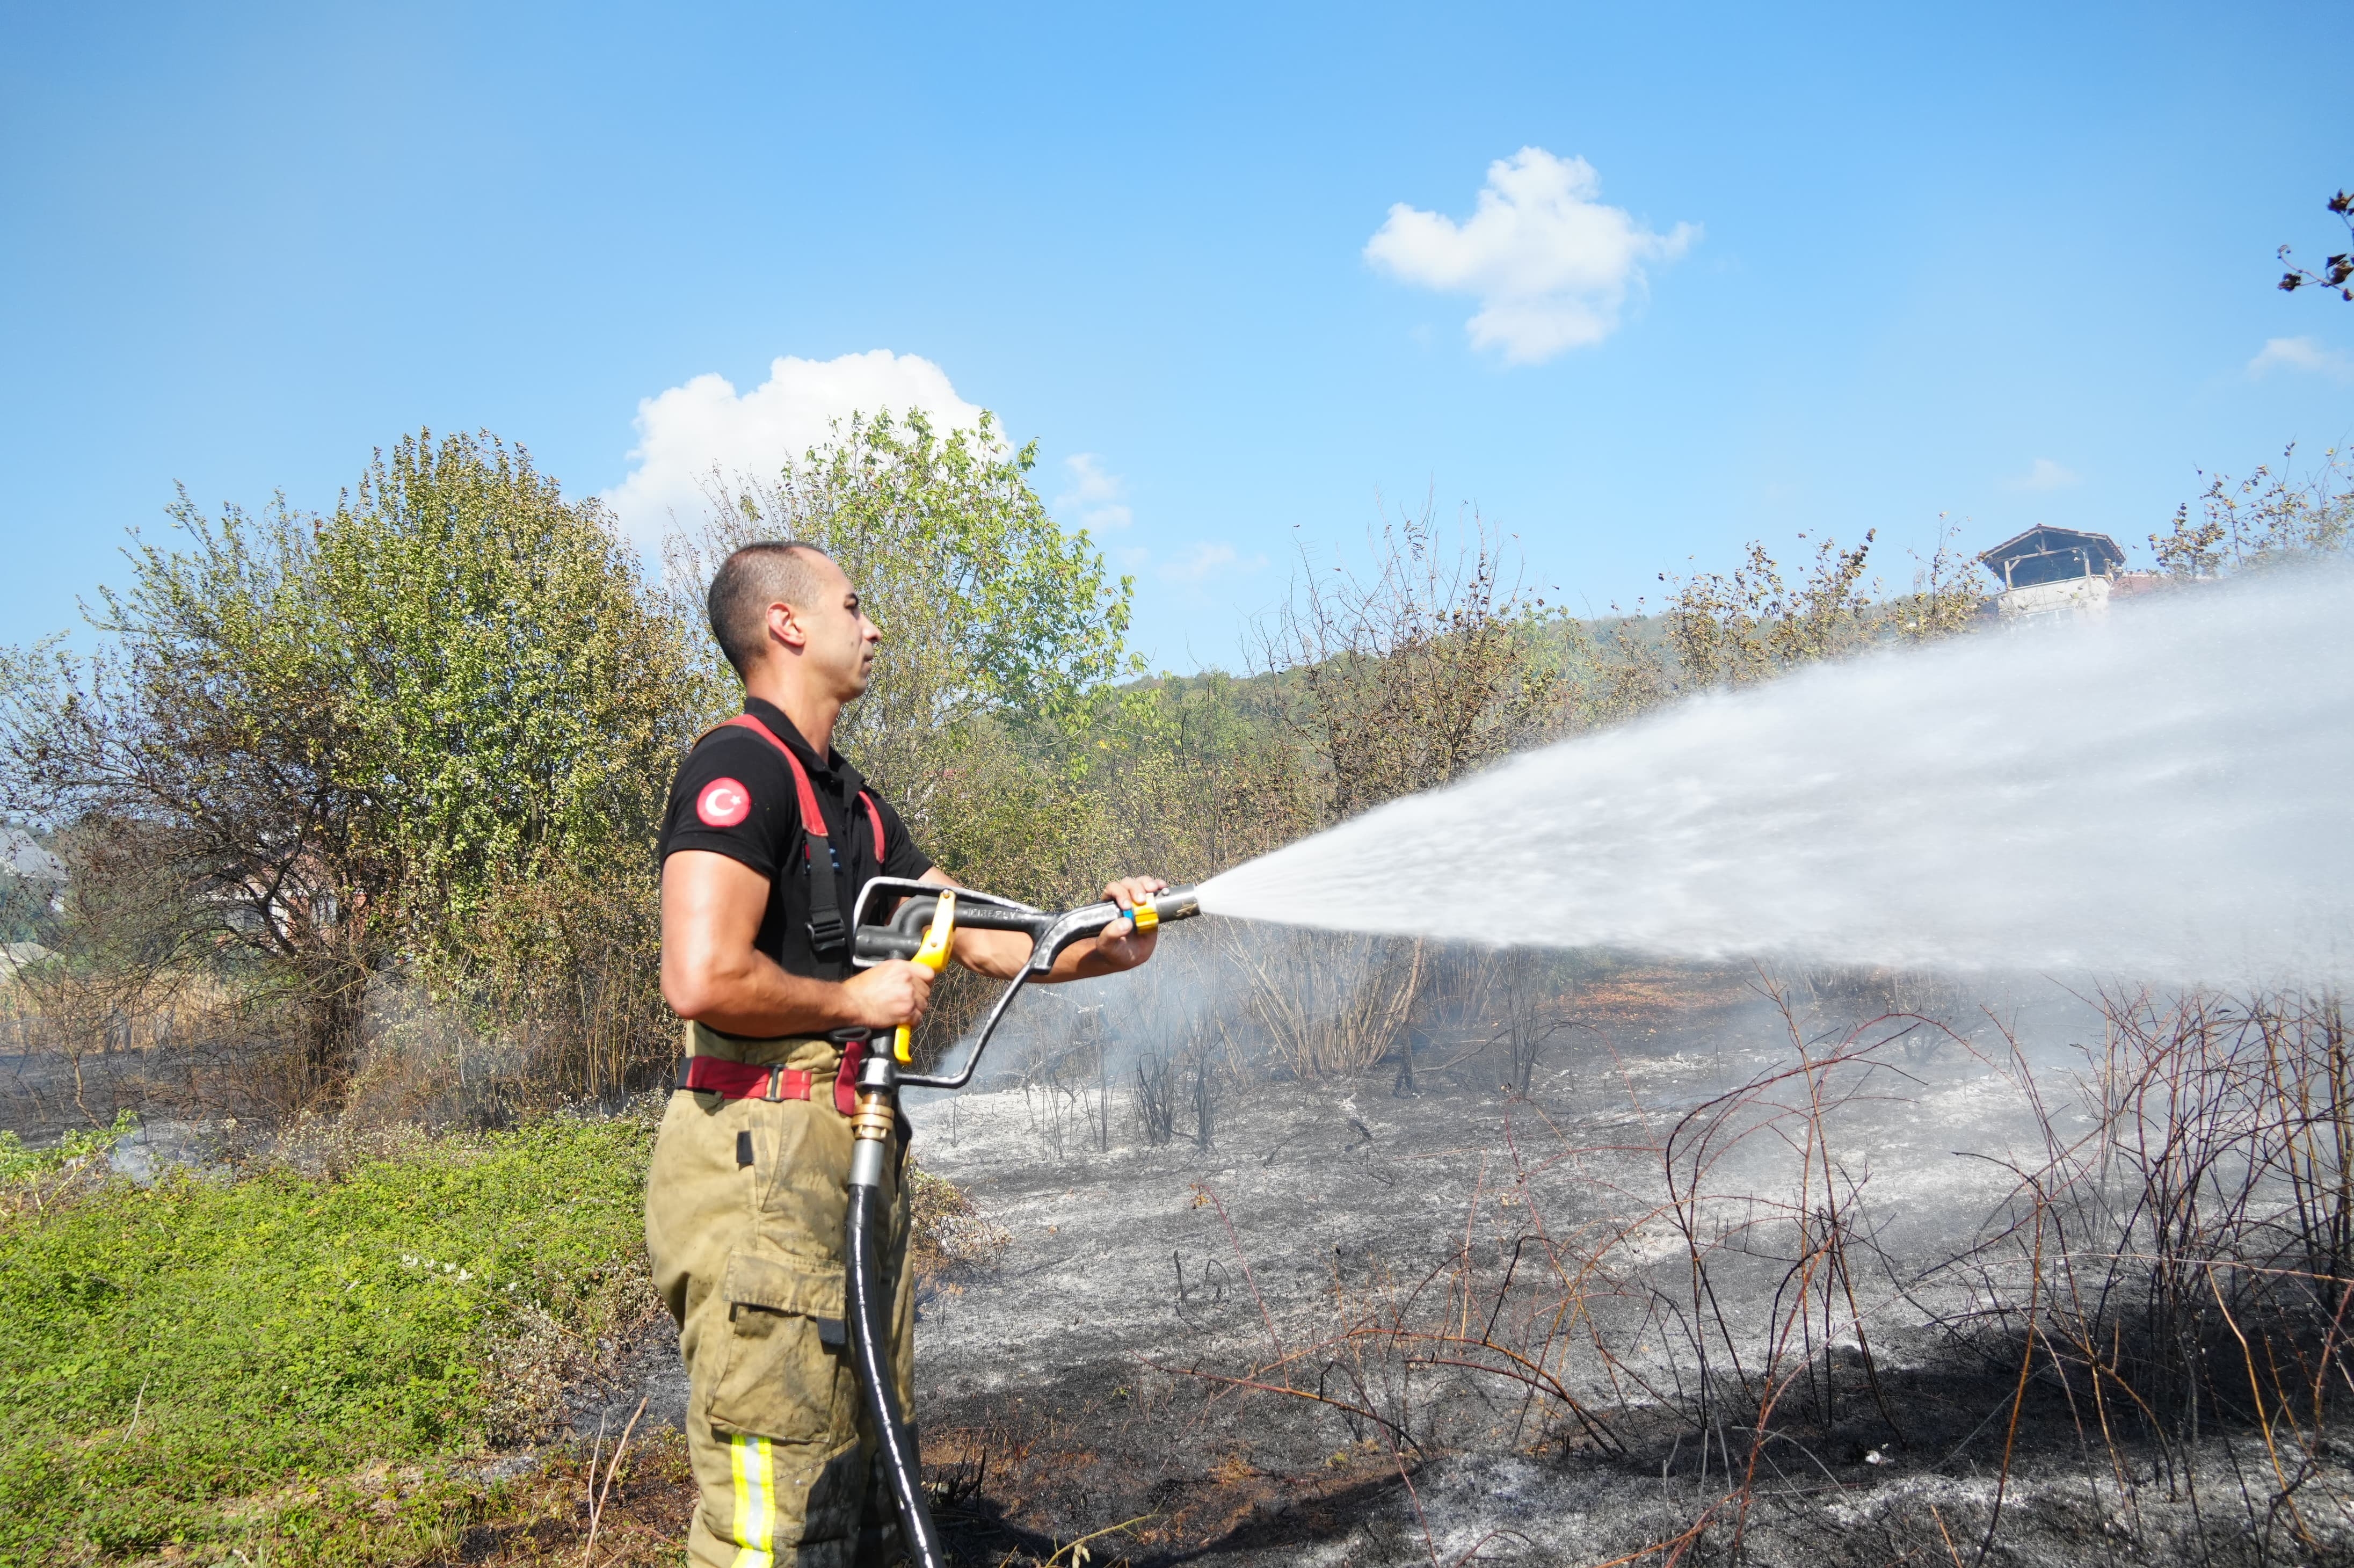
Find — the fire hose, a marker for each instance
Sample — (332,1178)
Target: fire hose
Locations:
(922,930)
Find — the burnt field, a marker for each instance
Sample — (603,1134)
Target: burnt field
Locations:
(1687,1264)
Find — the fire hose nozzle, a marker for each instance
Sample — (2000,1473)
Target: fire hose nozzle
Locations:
(936,912)
(1169,904)
(927,915)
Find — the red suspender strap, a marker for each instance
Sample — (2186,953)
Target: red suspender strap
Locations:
(846,1081)
(813,820)
(828,936)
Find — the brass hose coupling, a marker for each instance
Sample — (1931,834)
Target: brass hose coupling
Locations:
(877,1117)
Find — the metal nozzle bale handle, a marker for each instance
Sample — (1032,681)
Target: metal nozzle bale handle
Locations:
(1073,925)
(1050,932)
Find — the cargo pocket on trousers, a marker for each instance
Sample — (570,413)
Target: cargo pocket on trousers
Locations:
(786,1372)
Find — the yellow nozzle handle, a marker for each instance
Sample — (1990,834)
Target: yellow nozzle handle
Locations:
(934,955)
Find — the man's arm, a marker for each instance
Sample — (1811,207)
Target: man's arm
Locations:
(711,973)
(1118,946)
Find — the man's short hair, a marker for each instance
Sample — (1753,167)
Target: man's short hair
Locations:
(765,572)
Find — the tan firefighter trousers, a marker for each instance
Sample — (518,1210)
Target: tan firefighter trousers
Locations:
(744,1214)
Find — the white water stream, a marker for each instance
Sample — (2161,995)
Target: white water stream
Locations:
(2164,794)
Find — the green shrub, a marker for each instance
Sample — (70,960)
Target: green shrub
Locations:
(21,1167)
(194,1362)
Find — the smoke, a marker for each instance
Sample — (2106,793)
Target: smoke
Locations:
(2160,795)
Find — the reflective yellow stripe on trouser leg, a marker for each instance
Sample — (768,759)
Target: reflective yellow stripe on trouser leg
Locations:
(755,1519)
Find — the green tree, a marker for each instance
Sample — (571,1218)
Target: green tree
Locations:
(510,690)
(350,739)
(943,534)
(1001,631)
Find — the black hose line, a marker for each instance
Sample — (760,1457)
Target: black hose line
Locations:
(879,1081)
(870,1350)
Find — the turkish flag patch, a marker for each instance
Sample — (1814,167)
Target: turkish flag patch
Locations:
(722,804)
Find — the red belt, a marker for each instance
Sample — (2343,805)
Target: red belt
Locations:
(745,1081)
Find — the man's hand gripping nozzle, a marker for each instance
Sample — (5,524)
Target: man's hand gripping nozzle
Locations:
(935,912)
(877,1114)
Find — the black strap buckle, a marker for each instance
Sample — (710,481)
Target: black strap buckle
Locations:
(829,936)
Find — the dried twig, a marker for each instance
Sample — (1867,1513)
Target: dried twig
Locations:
(1265,1316)
(599,1494)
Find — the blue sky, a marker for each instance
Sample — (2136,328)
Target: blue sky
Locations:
(2006,263)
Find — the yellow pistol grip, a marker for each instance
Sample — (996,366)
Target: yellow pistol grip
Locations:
(934,955)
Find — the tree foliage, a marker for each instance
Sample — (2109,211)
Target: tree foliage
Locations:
(988,607)
(1734,628)
(2263,521)
(1424,666)
(1746,625)
(338,740)
(509,692)
(1000,635)
(1763,619)
(2337,271)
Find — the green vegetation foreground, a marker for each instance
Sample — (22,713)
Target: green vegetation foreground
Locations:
(207,1362)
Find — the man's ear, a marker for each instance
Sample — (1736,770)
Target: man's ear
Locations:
(785,627)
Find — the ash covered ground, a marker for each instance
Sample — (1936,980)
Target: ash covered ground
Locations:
(1369,1320)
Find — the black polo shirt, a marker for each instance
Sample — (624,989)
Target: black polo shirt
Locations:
(735,796)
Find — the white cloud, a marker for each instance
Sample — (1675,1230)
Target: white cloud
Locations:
(1208,559)
(686,432)
(1095,496)
(1550,265)
(2302,353)
(2045,474)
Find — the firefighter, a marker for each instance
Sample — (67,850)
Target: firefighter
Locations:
(769,834)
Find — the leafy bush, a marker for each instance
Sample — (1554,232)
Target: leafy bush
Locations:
(22,1169)
(190,1362)
(332,743)
(1426,665)
(2264,520)
(1753,623)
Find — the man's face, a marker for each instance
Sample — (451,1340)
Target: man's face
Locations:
(840,650)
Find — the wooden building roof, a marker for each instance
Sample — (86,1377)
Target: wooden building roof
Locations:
(2045,554)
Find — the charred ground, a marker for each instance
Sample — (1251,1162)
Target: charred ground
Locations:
(1710,1262)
